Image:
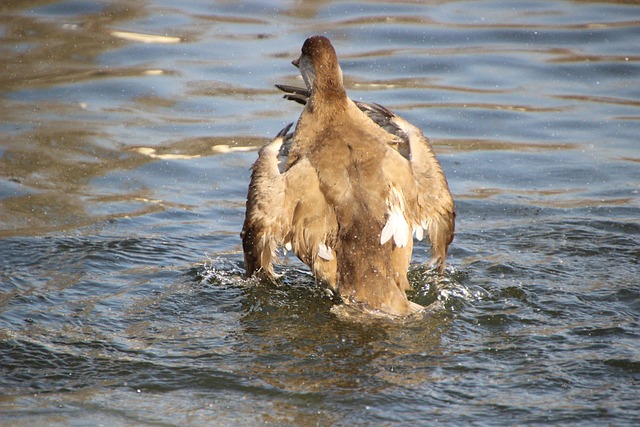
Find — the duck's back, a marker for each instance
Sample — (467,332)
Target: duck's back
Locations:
(356,171)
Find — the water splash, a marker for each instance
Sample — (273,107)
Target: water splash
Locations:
(222,271)
(449,288)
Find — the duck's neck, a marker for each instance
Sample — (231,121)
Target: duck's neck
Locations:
(328,98)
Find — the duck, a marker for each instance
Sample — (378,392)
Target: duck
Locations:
(347,191)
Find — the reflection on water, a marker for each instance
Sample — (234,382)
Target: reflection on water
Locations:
(127,134)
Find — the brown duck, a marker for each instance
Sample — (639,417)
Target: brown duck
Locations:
(358,183)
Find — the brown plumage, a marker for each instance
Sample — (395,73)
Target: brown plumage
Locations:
(348,202)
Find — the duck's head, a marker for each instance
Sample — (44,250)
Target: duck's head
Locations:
(319,66)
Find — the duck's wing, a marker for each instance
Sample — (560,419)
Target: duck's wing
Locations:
(287,210)
(313,224)
(265,223)
(434,208)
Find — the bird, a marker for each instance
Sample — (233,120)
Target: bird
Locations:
(347,191)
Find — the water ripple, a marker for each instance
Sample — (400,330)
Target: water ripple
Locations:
(127,135)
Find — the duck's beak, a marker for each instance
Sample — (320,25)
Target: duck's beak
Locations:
(296,62)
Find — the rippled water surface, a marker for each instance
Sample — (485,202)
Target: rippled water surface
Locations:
(127,133)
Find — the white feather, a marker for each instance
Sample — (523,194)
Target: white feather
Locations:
(387,233)
(325,252)
(397,227)
(419,232)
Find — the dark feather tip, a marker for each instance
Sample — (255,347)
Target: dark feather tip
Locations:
(284,131)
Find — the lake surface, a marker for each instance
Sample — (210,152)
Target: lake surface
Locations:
(127,133)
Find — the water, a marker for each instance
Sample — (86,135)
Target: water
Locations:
(127,133)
